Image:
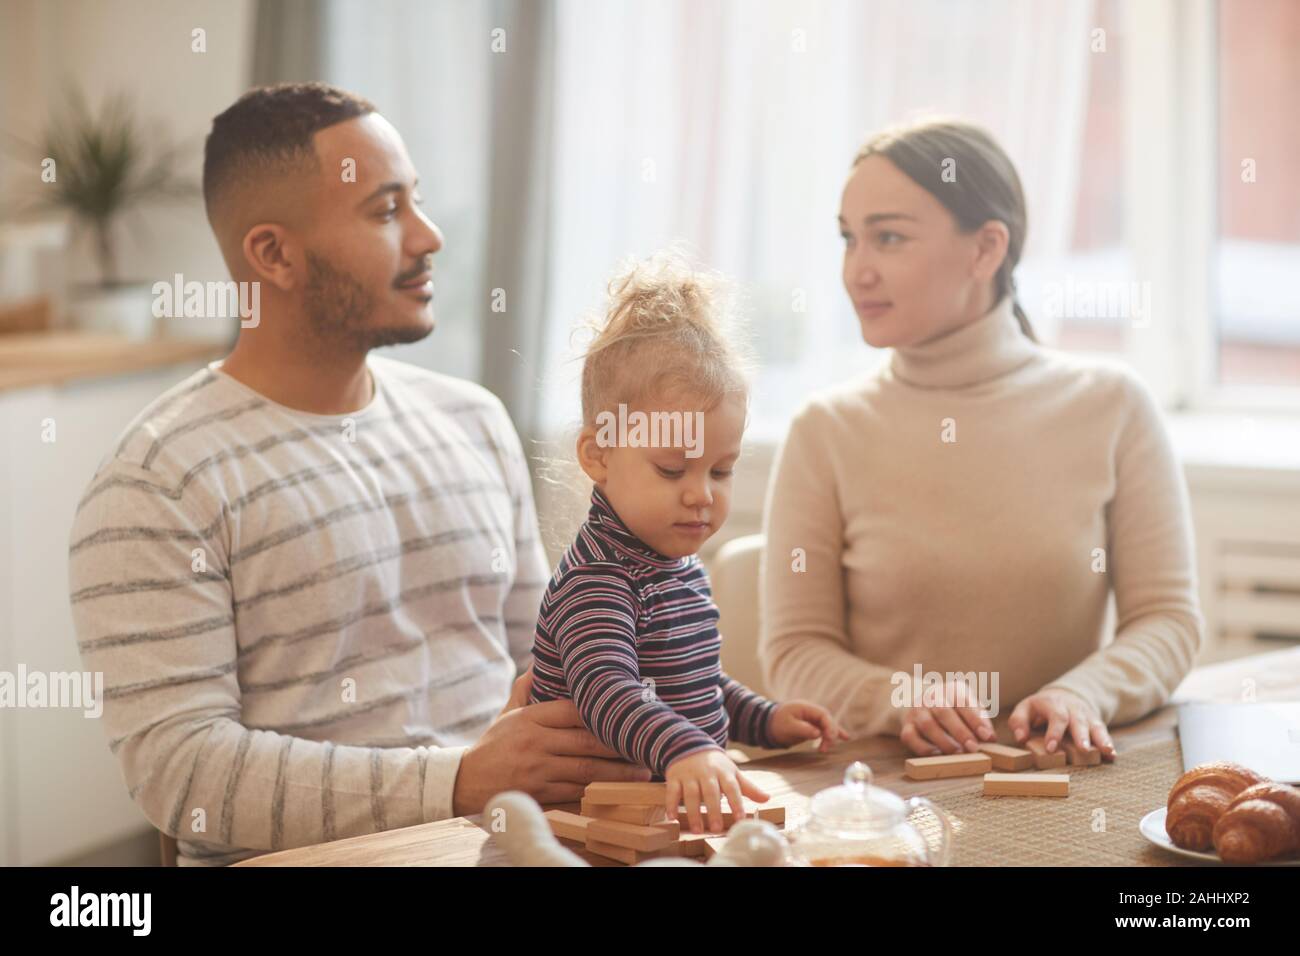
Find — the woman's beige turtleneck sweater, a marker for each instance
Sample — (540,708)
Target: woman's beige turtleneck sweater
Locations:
(965,507)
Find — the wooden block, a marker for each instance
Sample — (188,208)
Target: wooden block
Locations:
(631,835)
(773,815)
(641,794)
(628,813)
(670,826)
(1026,784)
(1043,760)
(1078,756)
(621,853)
(1008,758)
(691,846)
(948,765)
(568,826)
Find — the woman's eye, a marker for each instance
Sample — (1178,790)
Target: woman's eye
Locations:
(846,237)
(668,472)
(888,238)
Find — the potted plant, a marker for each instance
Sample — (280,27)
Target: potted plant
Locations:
(93,169)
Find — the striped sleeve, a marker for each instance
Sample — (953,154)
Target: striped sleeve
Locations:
(592,620)
(750,714)
(152,607)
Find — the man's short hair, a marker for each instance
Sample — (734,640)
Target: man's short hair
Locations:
(269,130)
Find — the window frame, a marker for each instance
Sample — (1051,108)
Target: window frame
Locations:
(1171,97)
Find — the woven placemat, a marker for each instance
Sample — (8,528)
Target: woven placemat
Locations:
(1096,825)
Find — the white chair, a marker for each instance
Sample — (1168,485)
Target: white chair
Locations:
(733,572)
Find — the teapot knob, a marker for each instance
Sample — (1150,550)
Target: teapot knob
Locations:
(858,775)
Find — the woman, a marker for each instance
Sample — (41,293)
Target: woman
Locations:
(966,508)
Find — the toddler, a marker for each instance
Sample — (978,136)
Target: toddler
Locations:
(627,627)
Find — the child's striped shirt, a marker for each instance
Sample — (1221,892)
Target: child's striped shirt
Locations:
(631,636)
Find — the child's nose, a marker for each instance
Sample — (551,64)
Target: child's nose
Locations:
(697,494)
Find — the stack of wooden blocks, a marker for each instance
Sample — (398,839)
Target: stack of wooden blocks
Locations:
(627,822)
(1003,767)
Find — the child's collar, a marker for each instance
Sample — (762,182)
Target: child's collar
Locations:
(605,522)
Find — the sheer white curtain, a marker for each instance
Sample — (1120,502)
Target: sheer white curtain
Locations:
(726,123)
(428,67)
(731,124)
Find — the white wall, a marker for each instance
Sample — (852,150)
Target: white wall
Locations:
(61,792)
(141,48)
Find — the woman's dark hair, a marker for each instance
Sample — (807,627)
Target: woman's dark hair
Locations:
(964,168)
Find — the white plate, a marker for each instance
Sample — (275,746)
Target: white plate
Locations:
(1153,828)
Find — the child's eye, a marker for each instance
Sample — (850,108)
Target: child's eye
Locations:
(722,474)
(669,473)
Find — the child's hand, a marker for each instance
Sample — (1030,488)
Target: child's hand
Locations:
(797,720)
(705,778)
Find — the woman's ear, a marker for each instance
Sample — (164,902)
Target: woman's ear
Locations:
(991,241)
(591,455)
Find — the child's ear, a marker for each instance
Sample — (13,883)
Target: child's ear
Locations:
(591,455)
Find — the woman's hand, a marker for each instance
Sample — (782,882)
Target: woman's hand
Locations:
(798,720)
(951,729)
(703,778)
(1062,711)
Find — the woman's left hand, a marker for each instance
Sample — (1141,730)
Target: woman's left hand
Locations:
(1064,713)
(798,720)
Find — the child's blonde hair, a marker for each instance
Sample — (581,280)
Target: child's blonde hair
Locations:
(668,331)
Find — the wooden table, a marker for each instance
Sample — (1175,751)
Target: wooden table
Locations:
(792,777)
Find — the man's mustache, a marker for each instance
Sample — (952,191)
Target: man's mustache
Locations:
(423,266)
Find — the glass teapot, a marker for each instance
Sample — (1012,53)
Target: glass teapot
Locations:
(857,824)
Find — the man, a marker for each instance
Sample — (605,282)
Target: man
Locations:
(310,576)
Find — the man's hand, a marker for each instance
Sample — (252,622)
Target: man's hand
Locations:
(523,686)
(542,749)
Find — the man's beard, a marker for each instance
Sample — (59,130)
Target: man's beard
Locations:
(340,308)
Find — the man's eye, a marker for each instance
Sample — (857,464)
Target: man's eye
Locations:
(388,212)
(668,472)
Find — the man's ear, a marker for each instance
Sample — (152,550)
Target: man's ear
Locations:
(991,241)
(591,455)
(273,256)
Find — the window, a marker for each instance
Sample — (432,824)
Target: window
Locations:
(1257,254)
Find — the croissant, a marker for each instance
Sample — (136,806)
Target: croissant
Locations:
(1200,797)
(1261,823)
